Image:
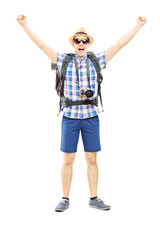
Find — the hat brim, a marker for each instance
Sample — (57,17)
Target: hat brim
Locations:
(91,40)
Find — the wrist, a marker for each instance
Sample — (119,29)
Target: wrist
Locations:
(138,26)
(24,26)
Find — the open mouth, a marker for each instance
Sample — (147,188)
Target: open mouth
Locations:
(81,49)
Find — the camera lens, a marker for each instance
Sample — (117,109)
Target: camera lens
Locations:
(89,93)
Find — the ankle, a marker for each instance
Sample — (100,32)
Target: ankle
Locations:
(92,198)
(65,198)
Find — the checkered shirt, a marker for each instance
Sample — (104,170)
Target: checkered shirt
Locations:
(72,89)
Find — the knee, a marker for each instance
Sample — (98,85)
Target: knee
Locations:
(69,159)
(91,158)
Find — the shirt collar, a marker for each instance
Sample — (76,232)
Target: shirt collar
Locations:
(80,59)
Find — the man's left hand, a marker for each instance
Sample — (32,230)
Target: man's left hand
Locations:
(141,21)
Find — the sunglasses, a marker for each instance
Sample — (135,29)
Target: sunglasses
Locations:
(78,41)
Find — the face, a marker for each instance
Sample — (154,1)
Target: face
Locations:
(81,48)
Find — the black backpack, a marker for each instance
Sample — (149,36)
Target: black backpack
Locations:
(60,78)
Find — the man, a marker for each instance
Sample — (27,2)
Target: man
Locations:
(82,118)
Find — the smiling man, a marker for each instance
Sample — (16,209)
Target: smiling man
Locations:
(82,117)
(80,44)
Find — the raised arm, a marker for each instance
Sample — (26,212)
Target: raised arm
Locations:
(110,52)
(46,49)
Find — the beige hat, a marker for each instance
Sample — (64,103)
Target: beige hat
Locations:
(81,31)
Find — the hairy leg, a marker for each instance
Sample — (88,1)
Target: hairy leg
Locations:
(67,172)
(92,172)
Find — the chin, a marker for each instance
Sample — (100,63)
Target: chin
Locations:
(81,55)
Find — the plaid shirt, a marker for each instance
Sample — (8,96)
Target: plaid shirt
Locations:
(71,87)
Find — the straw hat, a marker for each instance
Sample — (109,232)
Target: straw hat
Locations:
(81,31)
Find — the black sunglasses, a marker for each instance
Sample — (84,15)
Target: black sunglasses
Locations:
(78,41)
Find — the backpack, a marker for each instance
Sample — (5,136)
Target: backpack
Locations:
(60,78)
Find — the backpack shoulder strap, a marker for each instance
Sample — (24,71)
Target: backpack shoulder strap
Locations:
(95,62)
(65,64)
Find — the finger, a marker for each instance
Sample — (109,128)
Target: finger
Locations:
(17,18)
(142,18)
(20,17)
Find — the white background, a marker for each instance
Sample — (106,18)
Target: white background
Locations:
(30,159)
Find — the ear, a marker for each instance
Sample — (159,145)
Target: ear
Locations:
(89,45)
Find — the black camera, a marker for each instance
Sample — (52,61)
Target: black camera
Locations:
(86,92)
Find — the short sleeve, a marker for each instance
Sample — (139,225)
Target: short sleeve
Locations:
(60,58)
(101,59)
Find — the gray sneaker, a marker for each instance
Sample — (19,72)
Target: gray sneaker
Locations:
(62,206)
(98,203)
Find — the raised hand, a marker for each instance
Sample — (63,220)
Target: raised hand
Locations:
(141,21)
(21,19)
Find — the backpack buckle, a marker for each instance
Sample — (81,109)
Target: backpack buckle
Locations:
(64,101)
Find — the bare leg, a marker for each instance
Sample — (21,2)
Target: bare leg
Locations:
(67,172)
(92,172)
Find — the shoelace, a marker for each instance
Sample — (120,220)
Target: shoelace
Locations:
(63,201)
(99,200)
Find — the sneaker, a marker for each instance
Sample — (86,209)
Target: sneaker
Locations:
(62,206)
(98,203)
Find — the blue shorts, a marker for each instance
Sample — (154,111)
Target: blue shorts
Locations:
(71,128)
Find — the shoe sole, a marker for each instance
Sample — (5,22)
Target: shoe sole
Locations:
(60,210)
(99,208)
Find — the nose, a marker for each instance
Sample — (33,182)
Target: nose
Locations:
(81,42)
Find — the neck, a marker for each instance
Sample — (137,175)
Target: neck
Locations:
(81,56)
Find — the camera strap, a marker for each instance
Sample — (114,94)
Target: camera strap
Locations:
(88,71)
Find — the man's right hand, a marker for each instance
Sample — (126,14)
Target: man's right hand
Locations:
(21,19)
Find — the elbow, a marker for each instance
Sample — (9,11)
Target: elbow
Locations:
(119,45)
(42,46)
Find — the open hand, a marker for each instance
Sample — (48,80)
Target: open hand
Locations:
(21,19)
(141,21)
